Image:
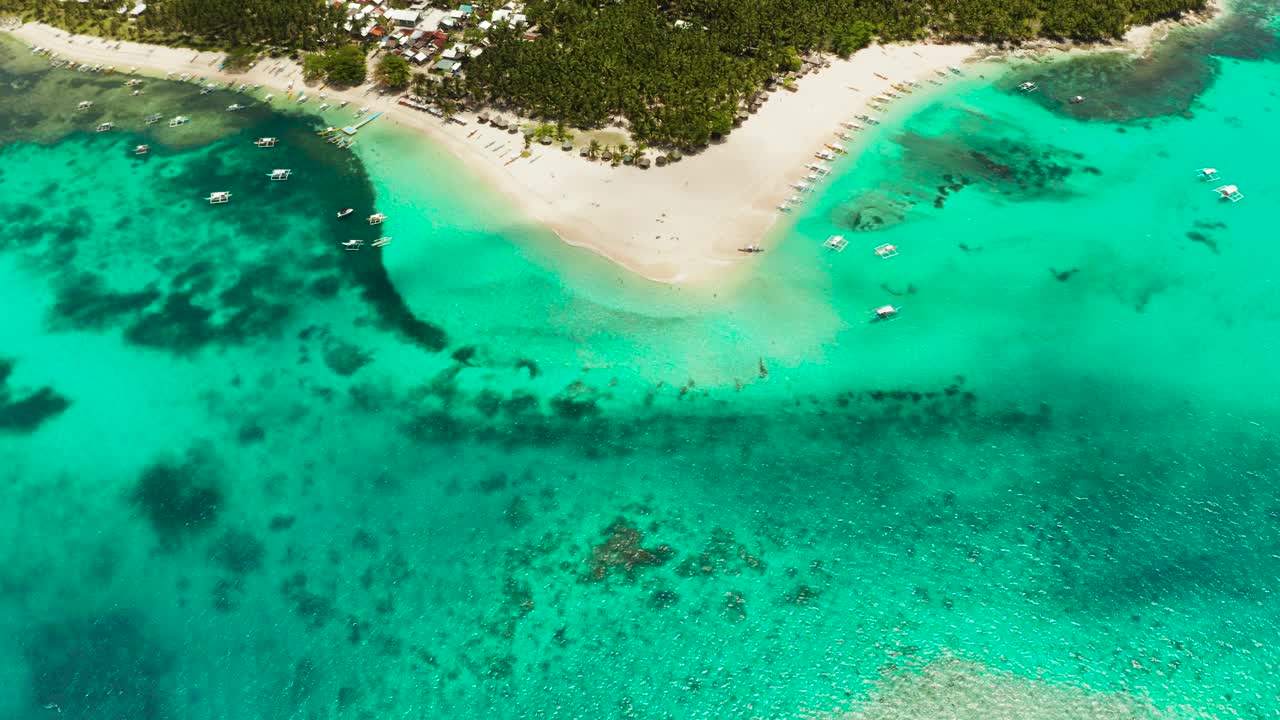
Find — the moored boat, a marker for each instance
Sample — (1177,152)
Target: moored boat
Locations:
(345,212)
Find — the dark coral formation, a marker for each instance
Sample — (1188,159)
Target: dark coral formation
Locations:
(723,555)
(237,552)
(621,550)
(98,667)
(179,499)
(25,414)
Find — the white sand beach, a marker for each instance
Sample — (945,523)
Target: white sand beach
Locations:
(678,224)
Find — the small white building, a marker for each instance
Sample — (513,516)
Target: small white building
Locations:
(403,18)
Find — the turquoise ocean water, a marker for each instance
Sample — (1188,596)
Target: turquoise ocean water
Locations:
(247,474)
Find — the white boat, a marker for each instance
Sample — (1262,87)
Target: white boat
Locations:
(954,69)
(825,155)
(302,97)
(1028,87)
(241,88)
(265,142)
(343,103)
(836,242)
(818,168)
(103,127)
(142,150)
(835,148)
(1229,192)
(802,186)
(353,244)
(153,119)
(364,109)
(179,120)
(885,312)
(1207,173)
(377,218)
(218,198)
(234,107)
(323,107)
(268,98)
(85,105)
(886,251)
(852,125)
(751,249)
(345,212)
(382,241)
(206,89)
(280,174)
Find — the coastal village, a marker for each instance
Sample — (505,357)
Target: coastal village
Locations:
(428,36)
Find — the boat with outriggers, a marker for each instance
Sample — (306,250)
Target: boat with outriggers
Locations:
(235,107)
(103,127)
(835,148)
(751,249)
(825,155)
(265,142)
(1028,87)
(1205,174)
(345,212)
(382,241)
(377,218)
(153,118)
(353,244)
(884,312)
(280,174)
(218,198)
(1077,100)
(868,119)
(179,120)
(85,105)
(836,242)
(1229,192)
(886,251)
(142,150)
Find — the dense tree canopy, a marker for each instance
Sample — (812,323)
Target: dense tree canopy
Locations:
(341,66)
(393,71)
(678,70)
(304,24)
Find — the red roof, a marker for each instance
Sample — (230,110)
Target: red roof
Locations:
(377,30)
(440,35)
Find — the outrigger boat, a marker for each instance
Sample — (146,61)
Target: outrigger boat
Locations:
(153,119)
(751,249)
(818,168)
(353,244)
(218,198)
(382,241)
(280,174)
(142,150)
(362,111)
(327,131)
(345,212)
(1229,192)
(234,107)
(103,127)
(206,89)
(85,105)
(265,142)
(835,148)
(268,98)
(179,120)
(836,242)
(852,125)
(825,155)
(302,98)
(1077,100)
(886,251)
(1207,174)
(377,218)
(343,103)
(884,312)
(133,83)
(1028,87)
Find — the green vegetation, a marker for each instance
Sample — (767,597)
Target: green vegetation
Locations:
(203,24)
(240,59)
(393,71)
(342,66)
(682,85)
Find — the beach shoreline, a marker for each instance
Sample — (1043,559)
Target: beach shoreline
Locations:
(681,224)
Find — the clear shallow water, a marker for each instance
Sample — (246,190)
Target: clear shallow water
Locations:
(255,476)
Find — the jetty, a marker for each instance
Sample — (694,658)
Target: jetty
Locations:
(353,129)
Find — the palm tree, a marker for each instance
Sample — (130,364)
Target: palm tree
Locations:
(593,149)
